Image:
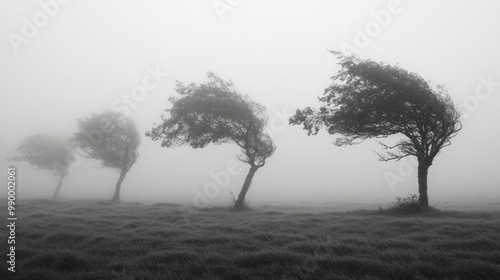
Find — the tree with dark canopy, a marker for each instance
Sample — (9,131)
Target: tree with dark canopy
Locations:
(214,112)
(375,100)
(113,139)
(48,153)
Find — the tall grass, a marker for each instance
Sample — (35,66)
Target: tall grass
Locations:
(100,240)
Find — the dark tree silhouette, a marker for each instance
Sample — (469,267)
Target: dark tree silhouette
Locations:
(48,153)
(113,139)
(375,100)
(215,112)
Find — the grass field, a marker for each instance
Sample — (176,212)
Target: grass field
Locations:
(100,240)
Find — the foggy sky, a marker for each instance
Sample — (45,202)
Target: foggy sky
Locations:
(91,53)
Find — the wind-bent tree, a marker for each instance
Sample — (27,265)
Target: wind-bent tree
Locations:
(375,100)
(47,153)
(113,139)
(215,112)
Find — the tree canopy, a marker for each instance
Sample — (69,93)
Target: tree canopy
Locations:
(368,99)
(49,153)
(214,113)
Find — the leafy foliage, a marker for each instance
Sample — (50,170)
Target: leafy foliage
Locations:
(372,100)
(111,138)
(46,152)
(214,112)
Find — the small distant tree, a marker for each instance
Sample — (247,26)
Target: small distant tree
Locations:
(47,153)
(375,100)
(215,112)
(113,139)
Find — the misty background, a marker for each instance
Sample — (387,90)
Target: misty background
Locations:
(91,53)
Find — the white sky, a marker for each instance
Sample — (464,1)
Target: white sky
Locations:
(92,52)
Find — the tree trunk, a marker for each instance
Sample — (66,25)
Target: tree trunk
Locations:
(58,188)
(116,198)
(423,198)
(240,202)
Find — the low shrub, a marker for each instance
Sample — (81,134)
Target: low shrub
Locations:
(407,205)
